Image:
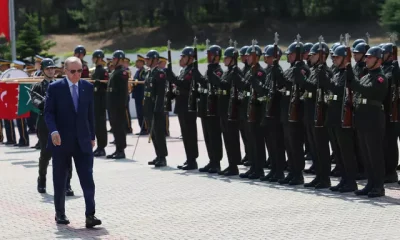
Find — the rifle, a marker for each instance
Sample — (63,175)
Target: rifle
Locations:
(212,96)
(251,111)
(394,88)
(233,107)
(272,92)
(347,108)
(295,101)
(168,85)
(319,113)
(193,85)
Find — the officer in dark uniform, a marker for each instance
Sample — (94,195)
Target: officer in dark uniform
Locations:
(273,131)
(80,52)
(138,94)
(342,139)
(162,66)
(318,136)
(369,120)
(37,95)
(128,112)
(254,78)
(100,102)
(334,69)
(208,110)
(32,119)
(117,93)
(243,98)
(187,120)
(153,107)
(293,131)
(391,150)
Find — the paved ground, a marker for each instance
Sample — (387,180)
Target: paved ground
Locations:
(136,201)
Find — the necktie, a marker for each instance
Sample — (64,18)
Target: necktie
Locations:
(75,96)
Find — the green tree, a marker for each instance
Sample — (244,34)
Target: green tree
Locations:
(29,40)
(5,50)
(390,15)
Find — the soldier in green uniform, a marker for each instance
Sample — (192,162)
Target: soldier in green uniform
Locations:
(369,120)
(253,78)
(208,107)
(390,68)
(153,107)
(37,95)
(187,119)
(117,93)
(80,52)
(318,136)
(100,103)
(243,99)
(342,139)
(127,112)
(162,66)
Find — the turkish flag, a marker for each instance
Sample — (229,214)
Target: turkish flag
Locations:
(4,20)
(9,102)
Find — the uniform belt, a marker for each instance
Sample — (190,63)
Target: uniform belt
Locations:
(246,94)
(308,95)
(364,101)
(262,99)
(109,89)
(147,94)
(332,97)
(285,93)
(202,90)
(222,92)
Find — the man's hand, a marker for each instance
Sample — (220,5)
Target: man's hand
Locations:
(93,143)
(56,139)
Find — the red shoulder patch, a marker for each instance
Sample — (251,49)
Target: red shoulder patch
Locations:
(125,73)
(162,75)
(380,79)
(303,72)
(259,74)
(219,74)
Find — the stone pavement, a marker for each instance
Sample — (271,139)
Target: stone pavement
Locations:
(135,201)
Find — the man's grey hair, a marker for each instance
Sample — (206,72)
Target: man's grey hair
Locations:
(72,60)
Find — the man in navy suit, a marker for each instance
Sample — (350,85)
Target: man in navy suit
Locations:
(69,116)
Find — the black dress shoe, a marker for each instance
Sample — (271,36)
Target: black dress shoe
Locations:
(364,191)
(181,166)
(161,162)
(69,192)
(246,174)
(92,221)
(9,143)
(61,219)
(376,192)
(153,161)
(41,185)
(215,168)
(277,177)
(205,168)
(21,145)
(111,155)
(287,179)
(391,178)
(312,184)
(99,153)
(231,172)
(119,155)
(256,175)
(297,180)
(337,187)
(223,171)
(190,166)
(268,176)
(348,188)
(323,184)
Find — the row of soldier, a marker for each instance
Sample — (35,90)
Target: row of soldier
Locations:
(349,108)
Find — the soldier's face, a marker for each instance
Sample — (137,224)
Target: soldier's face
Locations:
(162,64)
(139,64)
(337,60)
(50,72)
(249,60)
(314,59)
(79,55)
(386,56)
(372,62)
(306,56)
(291,57)
(228,61)
(268,60)
(357,56)
(243,58)
(183,61)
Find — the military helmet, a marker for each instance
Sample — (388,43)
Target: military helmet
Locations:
(360,48)
(215,50)
(152,54)
(119,54)
(188,51)
(334,46)
(292,48)
(315,49)
(375,51)
(307,47)
(80,49)
(243,50)
(256,48)
(387,48)
(269,51)
(229,52)
(340,51)
(47,63)
(98,54)
(356,42)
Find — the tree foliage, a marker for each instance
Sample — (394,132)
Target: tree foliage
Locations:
(390,15)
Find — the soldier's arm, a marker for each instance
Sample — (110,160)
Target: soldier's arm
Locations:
(36,100)
(123,88)
(258,82)
(160,92)
(377,87)
(215,77)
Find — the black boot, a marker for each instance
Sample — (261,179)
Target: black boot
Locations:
(41,185)
(99,152)
(161,162)
(153,161)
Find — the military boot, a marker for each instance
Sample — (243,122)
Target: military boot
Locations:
(153,161)
(277,177)
(313,183)
(376,192)
(365,191)
(41,184)
(206,168)
(246,174)
(268,176)
(190,165)
(287,179)
(215,167)
(297,180)
(162,162)
(337,187)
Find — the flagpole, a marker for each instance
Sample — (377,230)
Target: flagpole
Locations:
(12,29)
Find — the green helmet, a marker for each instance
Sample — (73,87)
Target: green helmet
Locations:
(119,54)
(243,50)
(360,48)
(356,42)
(292,48)
(229,52)
(315,49)
(375,51)
(256,48)
(98,54)
(188,51)
(47,63)
(215,50)
(340,51)
(269,51)
(152,54)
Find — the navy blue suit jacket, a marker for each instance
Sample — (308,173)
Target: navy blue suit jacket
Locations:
(60,115)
